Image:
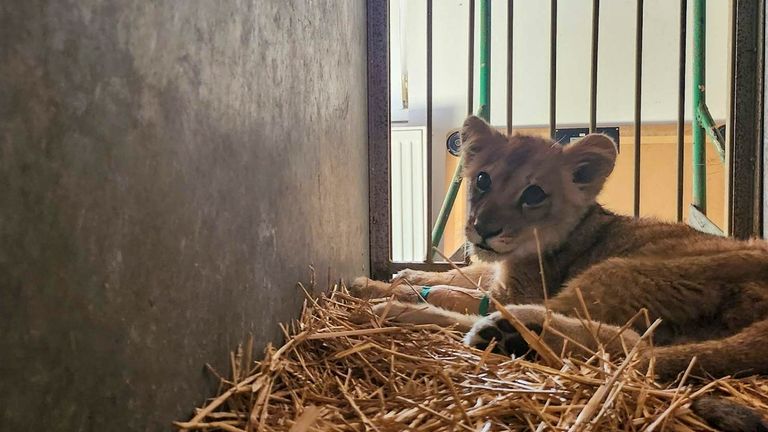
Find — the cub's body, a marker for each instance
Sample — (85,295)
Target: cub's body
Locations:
(703,287)
(534,222)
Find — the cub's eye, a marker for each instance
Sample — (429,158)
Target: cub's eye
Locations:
(533,196)
(483,182)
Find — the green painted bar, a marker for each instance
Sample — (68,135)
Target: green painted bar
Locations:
(484,111)
(445,210)
(699,81)
(485,60)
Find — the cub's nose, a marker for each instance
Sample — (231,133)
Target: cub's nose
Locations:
(486,230)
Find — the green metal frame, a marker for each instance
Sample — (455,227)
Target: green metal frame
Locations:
(484,111)
(699,100)
(702,124)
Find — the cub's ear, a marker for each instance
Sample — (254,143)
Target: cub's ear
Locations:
(591,160)
(474,133)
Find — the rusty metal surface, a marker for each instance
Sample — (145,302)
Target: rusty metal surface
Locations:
(379,138)
(764,191)
(747,100)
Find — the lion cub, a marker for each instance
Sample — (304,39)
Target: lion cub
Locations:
(711,293)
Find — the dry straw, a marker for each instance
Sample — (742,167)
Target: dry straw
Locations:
(335,375)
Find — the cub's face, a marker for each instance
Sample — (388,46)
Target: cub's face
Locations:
(521,184)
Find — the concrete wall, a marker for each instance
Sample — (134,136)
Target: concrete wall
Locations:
(168,172)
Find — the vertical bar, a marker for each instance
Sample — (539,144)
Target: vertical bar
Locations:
(552,68)
(456,181)
(699,81)
(638,100)
(471,60)
(763,194)
(746,172)
(428,252)
(485,60)
(593,72)
(681,106)
(377,14)
(510,60)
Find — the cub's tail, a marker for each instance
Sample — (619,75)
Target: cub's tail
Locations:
(728,416)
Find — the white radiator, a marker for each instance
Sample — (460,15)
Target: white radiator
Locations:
(409,194)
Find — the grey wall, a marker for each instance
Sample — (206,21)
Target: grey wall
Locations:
(168,172)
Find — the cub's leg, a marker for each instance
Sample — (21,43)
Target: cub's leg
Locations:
(682,291)
(453,298)
(563,334)
(745,352)
(471,276)
(449,290)
(424,313)
(365,288)
(728,416)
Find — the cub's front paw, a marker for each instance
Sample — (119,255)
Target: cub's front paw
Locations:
(416,277)
(508,340)
(365,288)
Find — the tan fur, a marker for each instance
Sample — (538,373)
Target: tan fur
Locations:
(710,292)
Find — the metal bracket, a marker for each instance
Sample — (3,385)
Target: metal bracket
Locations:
(706,121)
(701,222)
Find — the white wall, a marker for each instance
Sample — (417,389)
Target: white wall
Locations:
(531,60)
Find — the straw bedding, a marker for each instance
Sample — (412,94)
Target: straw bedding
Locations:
(335,375)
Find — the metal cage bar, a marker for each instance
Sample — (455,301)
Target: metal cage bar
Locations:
(746,170)
(638,101)
(593,68)
(471,59)
(552,68)
(702,123)
(379,214)
(428,194)
(699,154)
(681,106)
(485,61)
(510,60)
